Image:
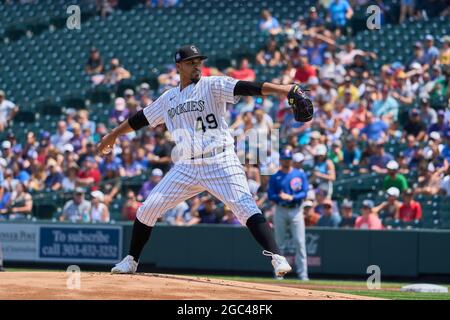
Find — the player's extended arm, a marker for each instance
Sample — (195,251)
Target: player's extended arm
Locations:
(297,99)
(134,123)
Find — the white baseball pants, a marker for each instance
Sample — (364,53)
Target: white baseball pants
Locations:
(221,175)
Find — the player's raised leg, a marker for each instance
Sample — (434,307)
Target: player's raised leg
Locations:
(225,179)
(177,186)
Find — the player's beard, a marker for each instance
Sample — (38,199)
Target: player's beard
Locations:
(195,79)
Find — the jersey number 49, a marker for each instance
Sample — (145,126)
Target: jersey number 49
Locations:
(210,120)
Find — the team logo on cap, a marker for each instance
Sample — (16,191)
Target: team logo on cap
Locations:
(178,56)
(193,48)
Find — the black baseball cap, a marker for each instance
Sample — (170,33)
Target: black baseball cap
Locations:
(188,52)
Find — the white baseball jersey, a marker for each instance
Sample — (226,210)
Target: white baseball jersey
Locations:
(195,117)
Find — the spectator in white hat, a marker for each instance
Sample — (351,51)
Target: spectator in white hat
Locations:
(99,212)
(393,178)
(120,112)
(297,160)
(434,148)
(310,149)
(311,217)
(128,94)
(7,150)
(389,209)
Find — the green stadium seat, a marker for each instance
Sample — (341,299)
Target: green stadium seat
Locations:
(45,211)
(25,116)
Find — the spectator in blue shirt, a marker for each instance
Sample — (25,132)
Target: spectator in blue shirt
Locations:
(418,56)
(110,162)
(411,147)
(54,179)
(328,218)
(316,51)
(20,173)
(446,150)
(431,53)
(269,24)
(379,160)
(229,218)
(208,212)
(5,198)
(292,128)
(352,154)
(339,12)
(162,3)
(374,130)
(313,21)
(387,107)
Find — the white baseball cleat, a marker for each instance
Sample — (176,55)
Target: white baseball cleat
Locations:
(279,263)
(127,265)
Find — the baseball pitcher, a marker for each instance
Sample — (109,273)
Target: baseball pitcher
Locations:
(204,156)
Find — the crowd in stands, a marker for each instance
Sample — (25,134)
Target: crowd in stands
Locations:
(357,113)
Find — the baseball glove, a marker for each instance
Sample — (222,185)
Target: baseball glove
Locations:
(301,104)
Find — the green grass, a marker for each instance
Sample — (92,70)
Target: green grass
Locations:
(331,283)
(396,295)
(393,293)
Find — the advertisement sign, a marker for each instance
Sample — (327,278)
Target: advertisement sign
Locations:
(79,243)
(19,241)
(74,243)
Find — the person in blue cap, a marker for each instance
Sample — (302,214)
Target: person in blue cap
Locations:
(288,188)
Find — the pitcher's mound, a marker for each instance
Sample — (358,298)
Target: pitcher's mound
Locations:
(104,286)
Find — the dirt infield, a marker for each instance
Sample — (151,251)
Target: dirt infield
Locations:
(147,286)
